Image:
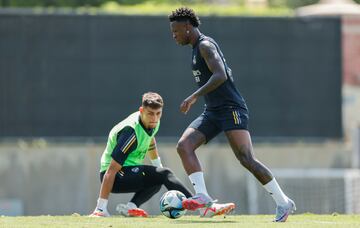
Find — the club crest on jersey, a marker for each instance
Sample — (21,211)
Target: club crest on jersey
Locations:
(194,60)
(196,74)
(135,169)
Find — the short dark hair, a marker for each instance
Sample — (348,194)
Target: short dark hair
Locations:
(152,100)
(185,14)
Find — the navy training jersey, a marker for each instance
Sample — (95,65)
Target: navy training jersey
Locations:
(224,96)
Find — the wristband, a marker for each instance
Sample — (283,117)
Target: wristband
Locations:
(157,162)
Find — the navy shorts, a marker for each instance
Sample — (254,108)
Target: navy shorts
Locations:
(212,122)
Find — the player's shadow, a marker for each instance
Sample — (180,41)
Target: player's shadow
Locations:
(204,221)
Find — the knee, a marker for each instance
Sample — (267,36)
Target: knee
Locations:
(182,147)
(165,174)
(244,155)
(166,171)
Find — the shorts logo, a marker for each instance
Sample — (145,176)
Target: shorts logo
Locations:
(135,169)
(194,60)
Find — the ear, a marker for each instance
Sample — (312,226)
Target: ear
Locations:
(141,109)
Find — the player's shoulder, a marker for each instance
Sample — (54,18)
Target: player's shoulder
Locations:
(205,44)
(127,129)
(207,47)
(206,41)
(126,134)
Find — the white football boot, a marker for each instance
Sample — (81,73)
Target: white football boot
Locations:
(282,212)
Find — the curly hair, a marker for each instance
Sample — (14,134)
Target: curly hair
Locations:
(185,14)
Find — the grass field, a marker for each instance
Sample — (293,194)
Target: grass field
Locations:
(253,221)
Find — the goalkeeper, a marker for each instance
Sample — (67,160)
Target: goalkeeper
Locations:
(122,169)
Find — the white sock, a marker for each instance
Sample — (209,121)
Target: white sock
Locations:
(102,204)
(277,194)
(131,205)
(197,180)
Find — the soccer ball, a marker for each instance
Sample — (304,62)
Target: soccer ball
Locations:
(171,204)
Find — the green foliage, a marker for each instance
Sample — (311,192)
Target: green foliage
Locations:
(78,3)
(291,3)
(56,3)
(169,2)
(201,9)
(130,2)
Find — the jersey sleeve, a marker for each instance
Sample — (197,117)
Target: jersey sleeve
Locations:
(126,143)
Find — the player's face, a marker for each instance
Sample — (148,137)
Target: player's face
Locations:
(150,117)
(179,32)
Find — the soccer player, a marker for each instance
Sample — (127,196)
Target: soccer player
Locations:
(122,169)
(225,110)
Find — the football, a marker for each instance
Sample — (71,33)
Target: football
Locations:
(171,204)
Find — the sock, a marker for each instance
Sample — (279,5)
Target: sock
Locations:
(131,205)
(197,180)
(102,204)
(277,194)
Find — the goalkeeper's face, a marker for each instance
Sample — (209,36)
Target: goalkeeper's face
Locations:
(150,117)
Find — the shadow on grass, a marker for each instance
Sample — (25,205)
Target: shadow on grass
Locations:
(204,221)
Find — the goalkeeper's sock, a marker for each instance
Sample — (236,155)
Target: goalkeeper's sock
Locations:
(277,194)
(102,204)
(197,180)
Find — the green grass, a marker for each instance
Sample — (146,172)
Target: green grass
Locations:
(303,220)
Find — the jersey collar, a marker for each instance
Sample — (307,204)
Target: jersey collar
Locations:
(148,131)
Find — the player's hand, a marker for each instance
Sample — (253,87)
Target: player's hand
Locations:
(186,104)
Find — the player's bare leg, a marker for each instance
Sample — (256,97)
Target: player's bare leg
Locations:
(240,142)
(241,145)
(188,143)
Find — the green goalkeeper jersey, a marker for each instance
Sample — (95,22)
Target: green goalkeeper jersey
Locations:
(136,156)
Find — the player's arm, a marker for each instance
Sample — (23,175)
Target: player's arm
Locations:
(213,60)
(154,155)
(109,178)
(215,64)
(126,143)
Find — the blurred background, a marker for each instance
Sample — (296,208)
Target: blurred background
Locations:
(71,70)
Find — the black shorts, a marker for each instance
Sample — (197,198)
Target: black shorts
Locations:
(140,178)
(211,123)
(135,178)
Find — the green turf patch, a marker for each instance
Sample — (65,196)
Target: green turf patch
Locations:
(303,220)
